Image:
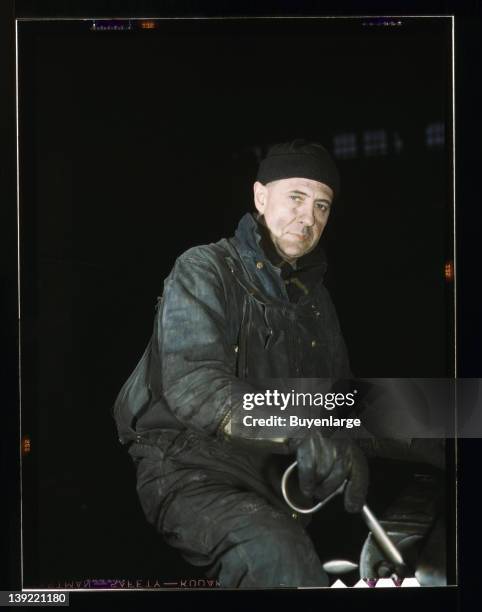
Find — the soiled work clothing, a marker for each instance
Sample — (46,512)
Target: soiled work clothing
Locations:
(229,312)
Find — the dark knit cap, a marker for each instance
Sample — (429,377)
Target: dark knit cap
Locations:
(299,158)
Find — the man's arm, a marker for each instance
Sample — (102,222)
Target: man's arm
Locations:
(198,359)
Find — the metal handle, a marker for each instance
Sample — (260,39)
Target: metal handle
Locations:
(380,535)
(389,549)
(315,508)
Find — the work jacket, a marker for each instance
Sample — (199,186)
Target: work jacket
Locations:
(225,318)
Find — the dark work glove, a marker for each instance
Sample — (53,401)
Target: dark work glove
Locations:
(324,464)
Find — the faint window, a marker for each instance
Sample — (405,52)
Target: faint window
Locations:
(345,146)
(435,135)
(397,143)
(375,142)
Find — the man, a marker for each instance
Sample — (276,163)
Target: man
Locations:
(253,306)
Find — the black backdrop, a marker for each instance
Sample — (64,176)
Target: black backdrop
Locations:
(137,145)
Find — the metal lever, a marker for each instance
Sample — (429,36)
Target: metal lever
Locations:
(389,549)
(380,535)
(315,508)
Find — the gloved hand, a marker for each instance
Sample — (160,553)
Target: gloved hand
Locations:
(324,464)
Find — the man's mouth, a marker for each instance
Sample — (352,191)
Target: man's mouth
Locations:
(299,236)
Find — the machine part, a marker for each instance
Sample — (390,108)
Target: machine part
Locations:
(376,529)
(380,535)
(431,566)
(339,566)
(375,564)
(384,569)
(411,523)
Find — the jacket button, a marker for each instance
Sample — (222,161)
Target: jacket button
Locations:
(313,343)
(236,348)
(259,265)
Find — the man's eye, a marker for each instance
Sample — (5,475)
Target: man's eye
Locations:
(322,207)
(296,198)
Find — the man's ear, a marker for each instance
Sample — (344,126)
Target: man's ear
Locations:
(260,195)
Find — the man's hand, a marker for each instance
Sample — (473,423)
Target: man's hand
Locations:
(324,464)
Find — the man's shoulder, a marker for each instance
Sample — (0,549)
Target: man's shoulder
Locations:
(213,253)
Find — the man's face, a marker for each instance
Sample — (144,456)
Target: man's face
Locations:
(296,211)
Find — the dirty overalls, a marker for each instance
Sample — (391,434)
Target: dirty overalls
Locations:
(226,315)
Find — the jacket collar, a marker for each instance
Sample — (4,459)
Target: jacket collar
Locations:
(254,241)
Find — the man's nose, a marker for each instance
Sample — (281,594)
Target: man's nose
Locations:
(306,214)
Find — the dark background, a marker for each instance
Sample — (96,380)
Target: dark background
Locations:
(102,280)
